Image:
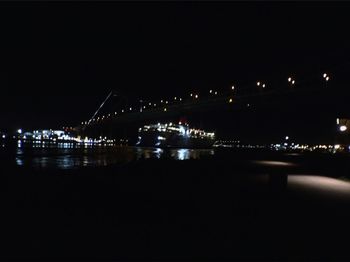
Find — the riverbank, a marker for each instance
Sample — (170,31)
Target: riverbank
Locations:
(223,208)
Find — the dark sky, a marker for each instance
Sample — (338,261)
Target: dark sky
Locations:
(59,60)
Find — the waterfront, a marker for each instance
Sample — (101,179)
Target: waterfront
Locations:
(217,204)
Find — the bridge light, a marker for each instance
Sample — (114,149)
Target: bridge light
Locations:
(130,108)
(164,109)
(211,91)
(230,101)
(293,82)
(324,75)
(233,87)
(196,96)
(263,85)
(175,98)
(327,78)
(180,99)
(258,83)
(166,102)
(216,93)
(289,79)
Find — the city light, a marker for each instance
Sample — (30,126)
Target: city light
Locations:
(210,91)
(19,131)
(258,83)
(233,87)
(343,128)
(196,96)
(230,101)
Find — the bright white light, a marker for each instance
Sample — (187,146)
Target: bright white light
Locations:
(175,98)
(211,91)
(258,83)
(233,87)
(196,96)
(191,94)
(293,82)
(230,101)
(289,79)
(164,109)
(216,92)
(337,121)
(336,146)
(324,75)
(149,104)
(3,136)
(327,78)
(263,85)
(287,137)
(19,131)
(130,108)
(343,128)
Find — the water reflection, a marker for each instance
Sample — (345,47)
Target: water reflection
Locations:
(70,156)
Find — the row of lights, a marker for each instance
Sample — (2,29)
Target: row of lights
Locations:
(290,79)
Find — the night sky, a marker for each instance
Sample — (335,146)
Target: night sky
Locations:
(59,60)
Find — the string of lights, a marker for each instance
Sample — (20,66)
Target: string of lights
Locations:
(290,83)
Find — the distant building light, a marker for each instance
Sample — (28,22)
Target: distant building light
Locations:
(289,79)
(258,83)
(287,137)
(3,136)
(196,96)
(324,75)
(19,131)
(233,87)
(327,78)
(211,91)
(230,101)
(343,128)
(165,109)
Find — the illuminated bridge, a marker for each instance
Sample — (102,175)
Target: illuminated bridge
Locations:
(206,110)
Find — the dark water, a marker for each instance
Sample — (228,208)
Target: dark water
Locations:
(70,156)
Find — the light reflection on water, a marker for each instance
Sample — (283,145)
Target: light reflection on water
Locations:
(70,156)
